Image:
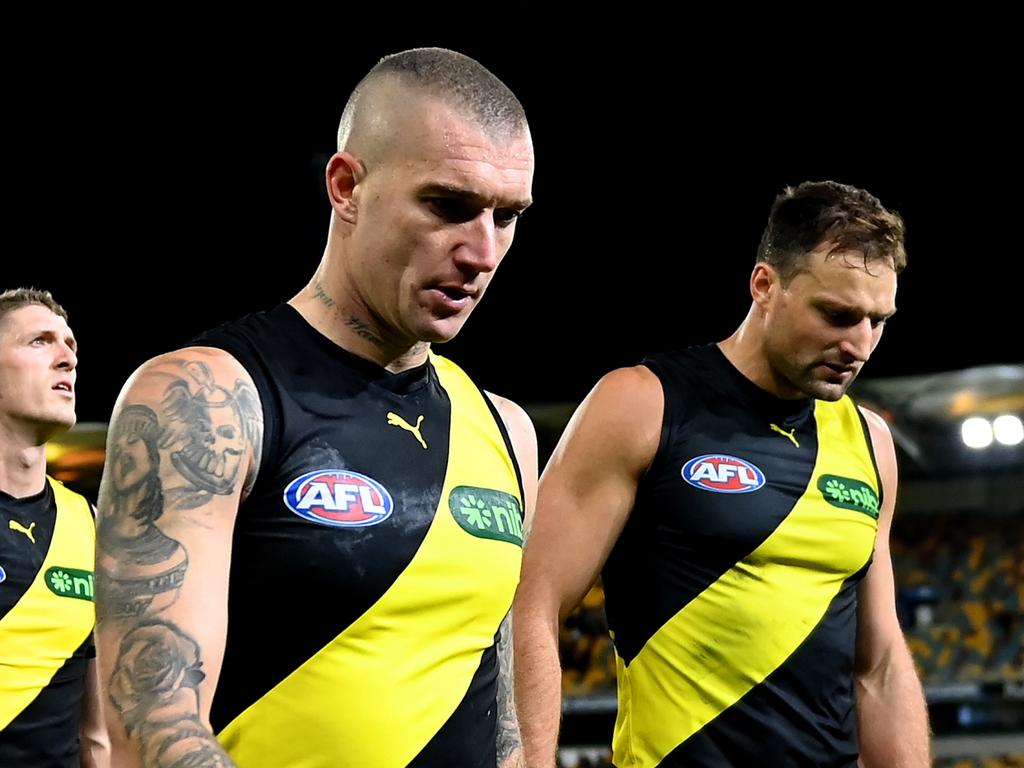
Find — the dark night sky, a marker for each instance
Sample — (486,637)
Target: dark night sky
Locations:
(157,201)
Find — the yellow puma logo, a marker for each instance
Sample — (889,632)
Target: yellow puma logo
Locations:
(397,421)
(784,433)
(14,525)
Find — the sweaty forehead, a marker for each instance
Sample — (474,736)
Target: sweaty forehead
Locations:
(846,279)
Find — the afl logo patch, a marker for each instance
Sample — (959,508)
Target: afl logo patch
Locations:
(722,474)
(339,497)
(3,574)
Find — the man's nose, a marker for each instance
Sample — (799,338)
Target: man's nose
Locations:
(67,359)
(479,250)
(859,341)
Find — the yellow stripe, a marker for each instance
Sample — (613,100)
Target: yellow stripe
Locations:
(377,694)
(42,630)
(746,624)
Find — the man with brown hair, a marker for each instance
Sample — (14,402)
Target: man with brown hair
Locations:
(738,506)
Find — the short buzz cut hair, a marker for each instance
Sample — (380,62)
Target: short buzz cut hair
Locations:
(459,81)
(847,218)
(16,298)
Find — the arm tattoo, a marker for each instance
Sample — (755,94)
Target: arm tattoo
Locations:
(510,743)
(207,431)
(155,688)
(140,567)
(149,565)
(178,457)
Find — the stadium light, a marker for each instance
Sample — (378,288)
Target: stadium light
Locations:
(976,432)
(1008,429)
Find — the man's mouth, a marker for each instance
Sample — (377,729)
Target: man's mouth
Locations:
(453,292)
(840,370)
(452,298)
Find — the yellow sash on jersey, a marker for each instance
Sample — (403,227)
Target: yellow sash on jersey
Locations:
(44,628)
(748,622)
(375,695)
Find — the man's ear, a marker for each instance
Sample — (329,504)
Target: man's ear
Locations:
(764,284)
(344,172)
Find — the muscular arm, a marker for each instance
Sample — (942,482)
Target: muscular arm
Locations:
(524,442)
(183,446)
(586,494)
(892,719)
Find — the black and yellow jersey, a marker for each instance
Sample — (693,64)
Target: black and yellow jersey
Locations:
(46,618)
(372,564)
(732,591)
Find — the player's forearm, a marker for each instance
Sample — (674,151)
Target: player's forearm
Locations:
(892,716)
(93,739)
(538,676)
(94,750)
(151,667)
(184,742)
(152,693)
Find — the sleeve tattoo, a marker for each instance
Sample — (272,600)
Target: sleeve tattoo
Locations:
(177,459)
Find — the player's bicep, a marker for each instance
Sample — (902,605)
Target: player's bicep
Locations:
(588,488)
(183,443)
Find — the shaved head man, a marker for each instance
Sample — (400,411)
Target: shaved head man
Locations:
(314,559)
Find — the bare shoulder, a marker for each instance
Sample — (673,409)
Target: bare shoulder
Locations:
(884,450)
(881,436)
(636,385)
(520,431)
(203,401)
(207,364)
(876,424)
(524,443)
(623,412)
(514,416)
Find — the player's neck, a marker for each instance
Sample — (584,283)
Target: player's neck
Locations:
(745,351)
(22,464)
(354,332)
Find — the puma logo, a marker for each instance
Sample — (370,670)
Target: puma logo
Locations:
(784,433)
(14,525)
(397,421)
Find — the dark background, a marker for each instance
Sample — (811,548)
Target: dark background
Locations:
(161,190)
